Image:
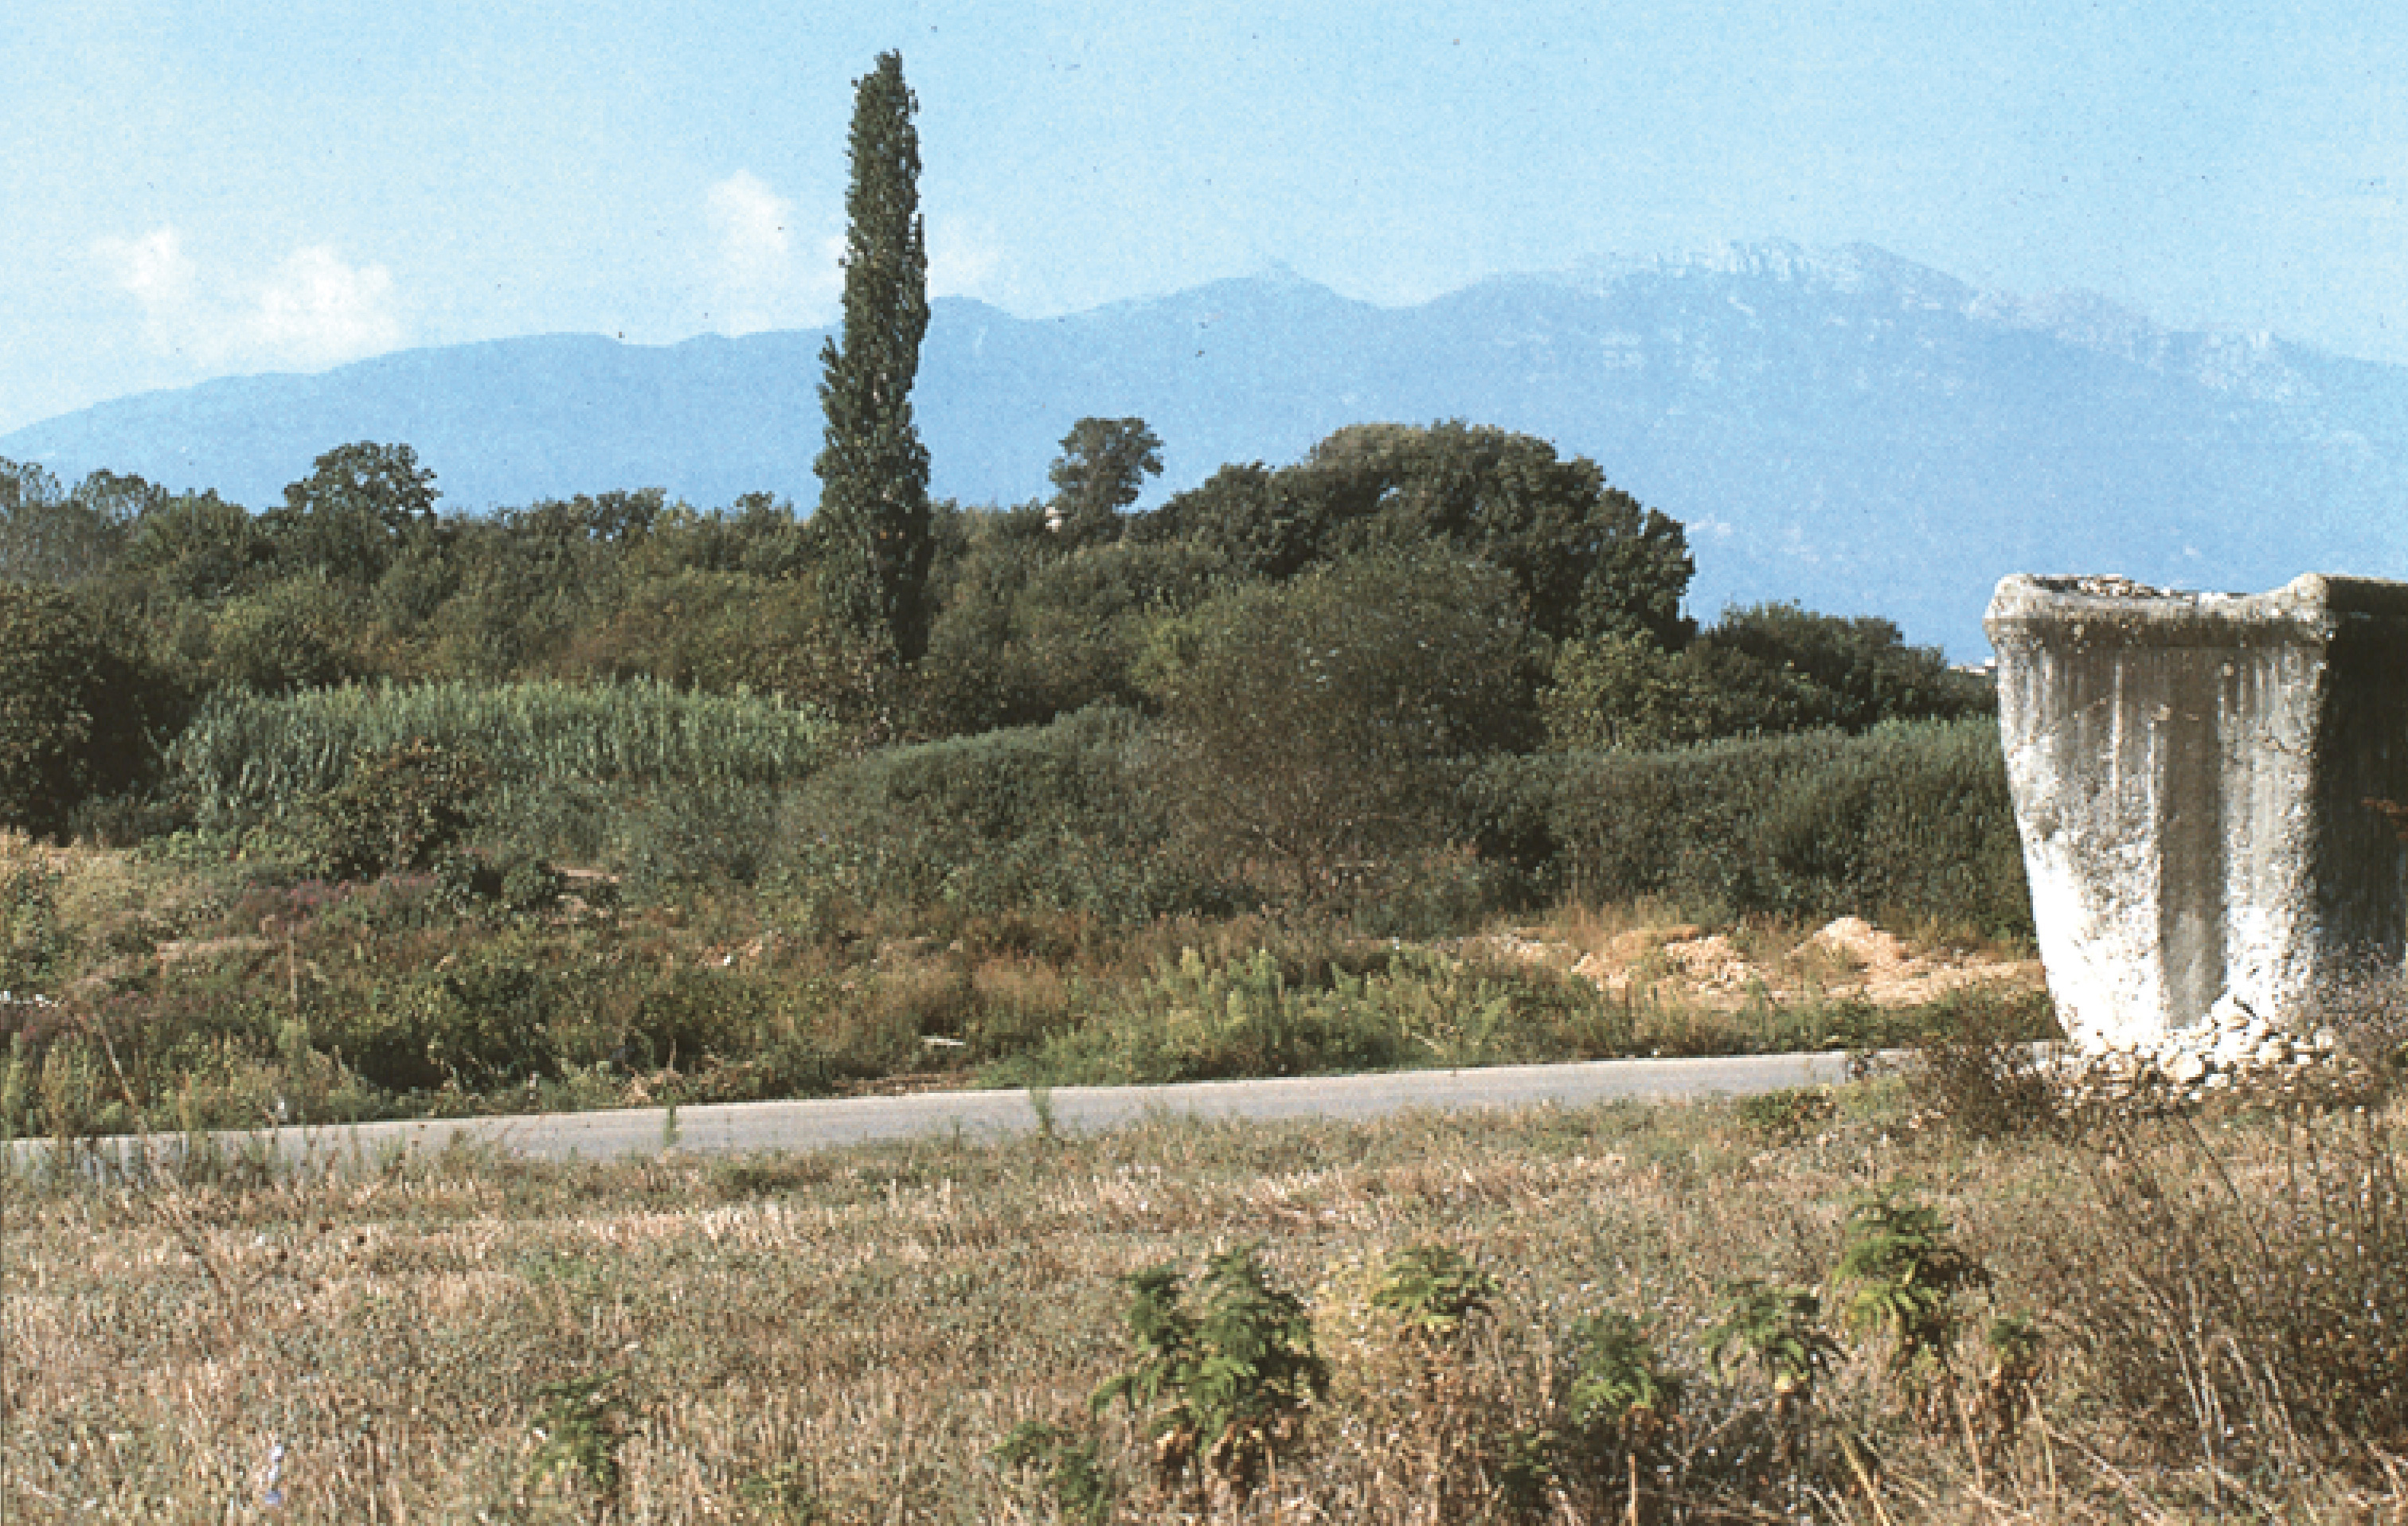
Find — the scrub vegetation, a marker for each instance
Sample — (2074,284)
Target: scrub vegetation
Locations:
(359,808)
(1834,1306)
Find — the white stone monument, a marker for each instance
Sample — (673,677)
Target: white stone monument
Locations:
(2191,774)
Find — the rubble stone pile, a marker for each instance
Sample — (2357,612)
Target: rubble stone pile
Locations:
(2234,1051)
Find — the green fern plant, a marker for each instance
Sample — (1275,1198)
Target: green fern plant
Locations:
(1432,1289)
(1900,1278)
(781,1496)
(1620,1387)
(580,1423)
(1067,1462)
(1222,1372)
(2016,1352)
(1780,1330)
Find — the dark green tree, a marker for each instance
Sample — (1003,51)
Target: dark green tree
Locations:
(874,513)
(1588,558)
(347,517)
(48,536)
(1103,466)
(1315,728)
(197,546)
(76,713)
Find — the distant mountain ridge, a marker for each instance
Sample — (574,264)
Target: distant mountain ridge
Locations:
(1845,427)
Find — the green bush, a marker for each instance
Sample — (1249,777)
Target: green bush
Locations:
(398,810)
(76,711)
(197,546)
(1256,1014)
(481,1022)
(1765,670)
(1431,1289)
(301,632)
(1909,820)
(48,536)
(725,632)
(1583,557)
(1033,627)
(1315,730)
(1900,1279)
(668,842)
(1222,1374)
(1062,818)
(33,943)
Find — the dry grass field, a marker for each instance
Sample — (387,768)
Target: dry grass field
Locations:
(2211,1329)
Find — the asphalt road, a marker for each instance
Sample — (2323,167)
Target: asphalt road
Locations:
(760,1126)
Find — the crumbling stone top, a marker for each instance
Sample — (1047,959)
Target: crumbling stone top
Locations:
(2124,612)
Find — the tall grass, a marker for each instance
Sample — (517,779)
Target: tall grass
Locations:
(245,757)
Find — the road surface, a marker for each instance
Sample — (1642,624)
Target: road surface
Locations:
(760,1126)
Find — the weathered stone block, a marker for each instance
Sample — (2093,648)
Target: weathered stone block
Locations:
(2190,774)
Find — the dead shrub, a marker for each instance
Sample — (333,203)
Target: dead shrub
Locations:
(1980,1073)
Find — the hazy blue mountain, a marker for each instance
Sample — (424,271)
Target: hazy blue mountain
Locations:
(1843,428)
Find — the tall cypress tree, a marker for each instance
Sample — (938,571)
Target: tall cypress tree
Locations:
(872,468)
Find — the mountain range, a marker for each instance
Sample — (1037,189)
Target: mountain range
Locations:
(1843,428)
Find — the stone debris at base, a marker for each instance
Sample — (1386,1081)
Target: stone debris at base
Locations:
(2235,1052)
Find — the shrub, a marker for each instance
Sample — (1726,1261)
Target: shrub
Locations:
(197,546)
(46,537)
(1222,1373)
(1431,1288)
(1197,1019)
(728,633)
(76,711)
(480,1023)
(300,632)
(560,755)
(1620,1388)
(1978,1072)
(2246,1307)
(672,841)
(1780,1330)
(1259,1012)
(579,1425)
(1909,820)
(1583,558)
(32,944)
(1081,1489)
(1901,1277)
(1315,729)
(1061,818)
(398,810)
(1032,628)
(1765,670)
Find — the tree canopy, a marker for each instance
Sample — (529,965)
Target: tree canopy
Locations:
(1587,558)
(1102,468)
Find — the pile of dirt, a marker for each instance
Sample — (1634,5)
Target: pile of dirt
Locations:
(1849,959)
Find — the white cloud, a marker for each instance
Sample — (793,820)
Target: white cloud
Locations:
(319,311)
(155,271)
(764,275)
(750,222)
(963,259)
(312,310)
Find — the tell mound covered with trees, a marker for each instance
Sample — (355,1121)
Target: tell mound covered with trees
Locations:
(624,798)
(614,795)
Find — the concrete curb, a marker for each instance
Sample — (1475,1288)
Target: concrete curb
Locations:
(727,1128)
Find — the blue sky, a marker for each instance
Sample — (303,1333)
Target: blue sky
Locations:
(223,186)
